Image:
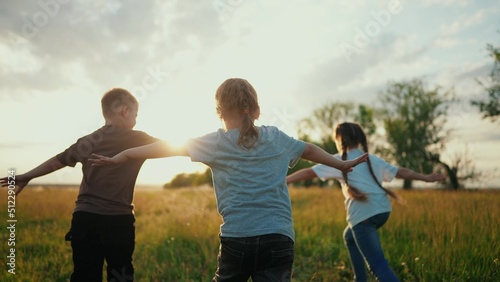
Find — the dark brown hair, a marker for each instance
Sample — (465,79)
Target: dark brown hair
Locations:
(236,98)
(351,135)
(114,99)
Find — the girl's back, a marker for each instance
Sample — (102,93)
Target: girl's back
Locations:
(377,199)
(251,191)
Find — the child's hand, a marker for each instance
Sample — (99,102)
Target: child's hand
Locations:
(20,181)
(98,160)
(361,159)
(352,163)
(433,177)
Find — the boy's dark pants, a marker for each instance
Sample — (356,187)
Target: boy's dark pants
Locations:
(95,238)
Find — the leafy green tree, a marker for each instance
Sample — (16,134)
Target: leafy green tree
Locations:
(461,169)
(203,178)
(414,123)
(318,128)
(413,120)
(190,179)
(180,180)
(490,105)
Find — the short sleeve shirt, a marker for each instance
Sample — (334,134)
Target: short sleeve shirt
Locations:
(360,177)
(250,184)
(106,190)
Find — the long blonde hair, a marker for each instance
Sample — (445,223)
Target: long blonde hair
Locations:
(351,135)
(236,97)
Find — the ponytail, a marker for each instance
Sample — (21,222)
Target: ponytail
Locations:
(236,98)
(353,192)
(248,132)
(352,137)
(389,192)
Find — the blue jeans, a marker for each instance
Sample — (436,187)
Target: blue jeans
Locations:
(363,244)
(264,258)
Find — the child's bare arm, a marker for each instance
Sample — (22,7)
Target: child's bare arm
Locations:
(316,154)
(159,149)
(406,173)
(300,175)
(22,180)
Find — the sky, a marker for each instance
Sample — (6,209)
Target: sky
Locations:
(58,57)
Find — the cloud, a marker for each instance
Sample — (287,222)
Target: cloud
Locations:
(368,72)
(466,20)
(475,70)
(114,42)
(461,3)
(446,42)
(59,35)
(451,28)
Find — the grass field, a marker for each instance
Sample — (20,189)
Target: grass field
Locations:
(437,236)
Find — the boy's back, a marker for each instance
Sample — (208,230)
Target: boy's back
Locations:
(107,190)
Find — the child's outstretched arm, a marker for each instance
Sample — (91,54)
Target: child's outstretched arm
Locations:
(300,175)
(159,149)
(405,173)
(316,154)
(22,180)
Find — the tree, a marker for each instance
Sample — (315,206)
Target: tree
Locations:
(490,106)
(203,178)
(414,124)
(318,128)
(180,180)
(412,118)
(190,179)
(460,170)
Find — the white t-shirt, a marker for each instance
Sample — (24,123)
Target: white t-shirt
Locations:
(360,177)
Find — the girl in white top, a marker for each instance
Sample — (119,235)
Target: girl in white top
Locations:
(366,201)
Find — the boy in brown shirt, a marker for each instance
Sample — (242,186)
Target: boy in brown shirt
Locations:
(102,227)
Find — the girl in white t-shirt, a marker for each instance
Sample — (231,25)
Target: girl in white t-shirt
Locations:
(366,201)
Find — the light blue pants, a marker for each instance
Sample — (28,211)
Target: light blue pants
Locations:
(363,244)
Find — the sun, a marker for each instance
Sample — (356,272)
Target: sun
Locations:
(161,171)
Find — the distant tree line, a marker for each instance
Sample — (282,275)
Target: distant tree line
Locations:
(190,179)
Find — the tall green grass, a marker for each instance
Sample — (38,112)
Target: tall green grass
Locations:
(437,236)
